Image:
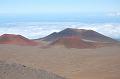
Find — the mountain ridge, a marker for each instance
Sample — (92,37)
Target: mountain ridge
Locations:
(82,33)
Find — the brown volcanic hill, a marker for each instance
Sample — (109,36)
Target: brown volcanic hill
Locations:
(16,39)
(18,71)
(89,35)
(74,42)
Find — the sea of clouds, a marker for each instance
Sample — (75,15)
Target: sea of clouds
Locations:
(35,30)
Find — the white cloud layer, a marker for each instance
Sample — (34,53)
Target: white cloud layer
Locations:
(114,14)
(37,30)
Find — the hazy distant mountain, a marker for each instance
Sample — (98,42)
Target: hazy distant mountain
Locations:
(17,71)
(16,39)
(87,35)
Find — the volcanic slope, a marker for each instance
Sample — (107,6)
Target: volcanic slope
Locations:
(16,40)
(87,35)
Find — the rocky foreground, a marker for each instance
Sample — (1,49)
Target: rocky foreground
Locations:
(17,71)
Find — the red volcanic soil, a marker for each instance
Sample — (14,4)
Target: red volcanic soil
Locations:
(74,42)
(16,40)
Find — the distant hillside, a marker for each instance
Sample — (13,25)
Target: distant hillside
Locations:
(17,71)
(74,42)
(16,40)
(88,35)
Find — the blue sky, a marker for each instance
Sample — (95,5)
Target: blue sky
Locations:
(26,7)
(60,10)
